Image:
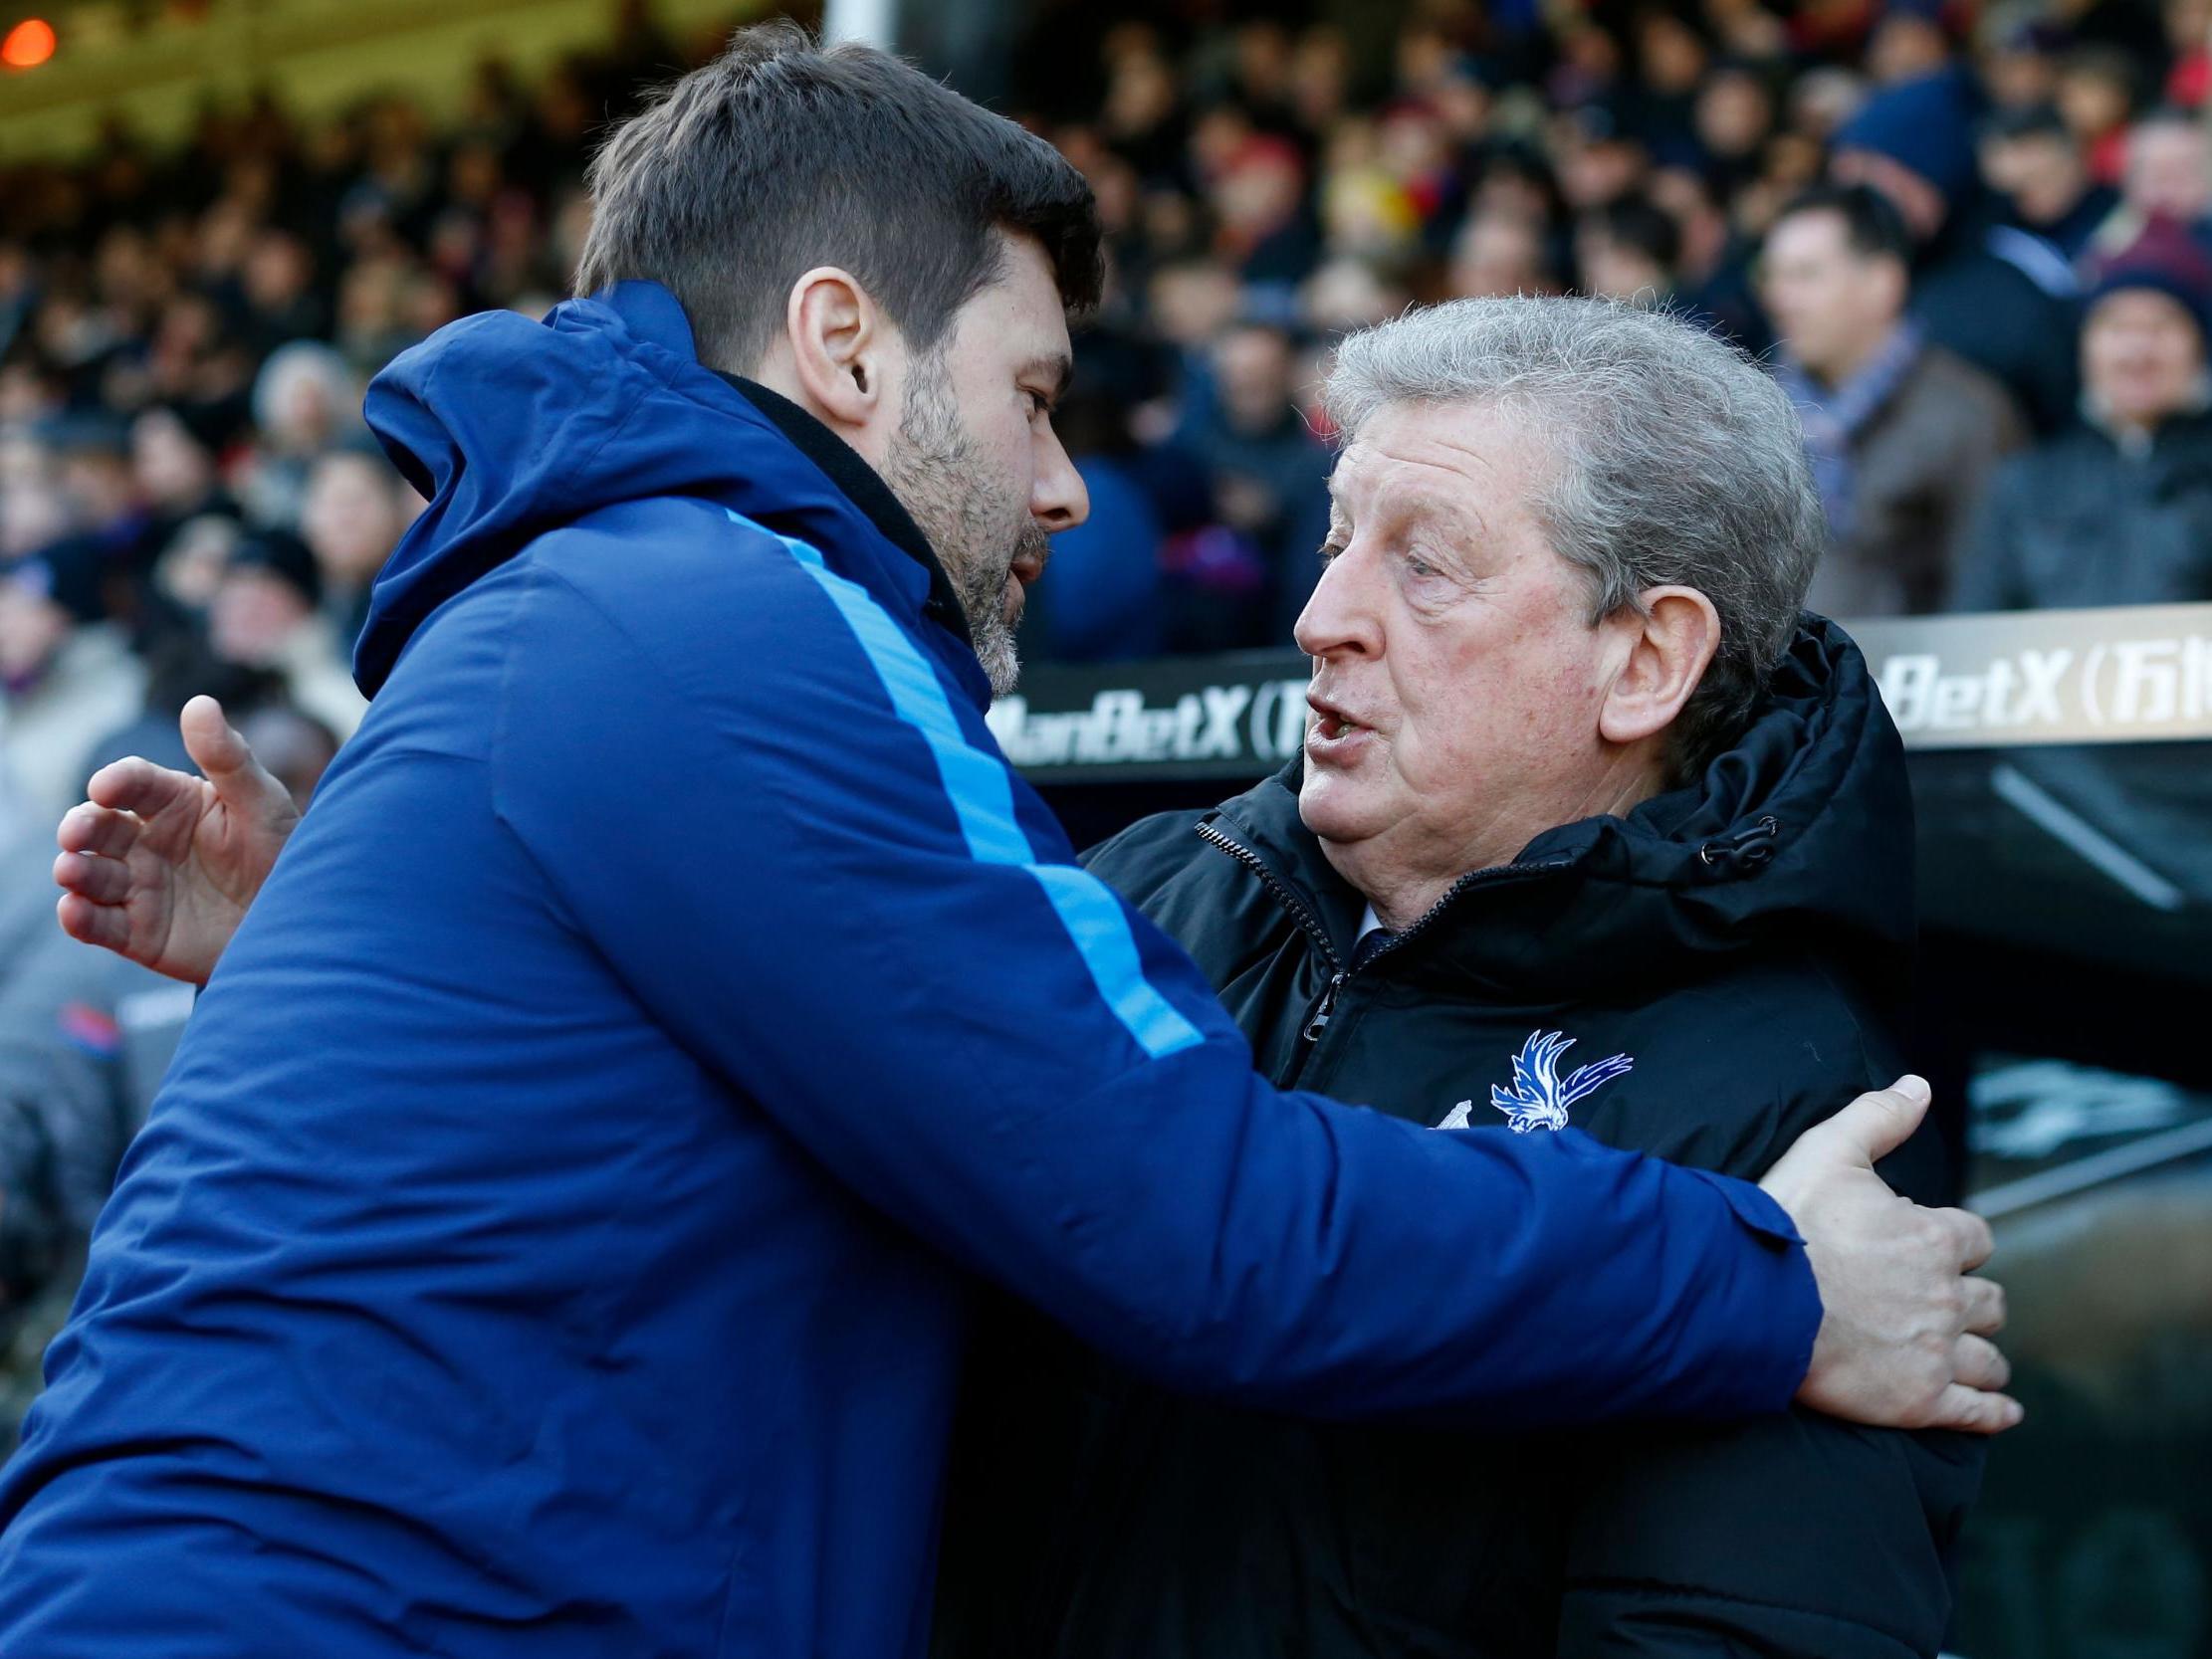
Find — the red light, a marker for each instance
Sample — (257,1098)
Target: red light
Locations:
(28,45)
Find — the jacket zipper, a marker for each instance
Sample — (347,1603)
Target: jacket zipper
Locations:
(1317,1016)
(1324,1006)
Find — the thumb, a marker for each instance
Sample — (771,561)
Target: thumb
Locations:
(1877,1123)
(220,753)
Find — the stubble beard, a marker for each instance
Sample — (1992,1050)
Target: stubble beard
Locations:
(939,476)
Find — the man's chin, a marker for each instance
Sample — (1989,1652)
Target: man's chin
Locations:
(1331,805)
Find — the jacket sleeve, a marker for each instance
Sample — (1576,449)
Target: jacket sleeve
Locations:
(1796,1537)
(1985,576)
(800,851)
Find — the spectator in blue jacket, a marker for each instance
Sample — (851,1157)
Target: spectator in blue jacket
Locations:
(556,1235)
(1998,296)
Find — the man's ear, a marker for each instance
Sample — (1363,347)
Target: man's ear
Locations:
(840,350)
(1668,656)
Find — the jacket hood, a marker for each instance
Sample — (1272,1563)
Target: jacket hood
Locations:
(1803,828)
(513,428)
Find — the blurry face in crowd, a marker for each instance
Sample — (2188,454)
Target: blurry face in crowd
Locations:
(32,629)
(193,563)
(2170,171)
(98,485)
(1253,368)
(1458,683)
(1497,257)
(277,270)
(1733,115)
(1833,304)
(974,458)
(2040,171)
(254,616)
(2142,358)
(1191,304)
(32,514)
(1905,46)
(2094,98)
(350,517)
(1611,268)
(171,467)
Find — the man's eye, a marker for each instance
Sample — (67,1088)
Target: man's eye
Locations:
(1419,565)
(1329,551)
(1037,404)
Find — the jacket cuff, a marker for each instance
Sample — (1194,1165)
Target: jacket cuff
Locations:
(1784,1315)
(1756,1210)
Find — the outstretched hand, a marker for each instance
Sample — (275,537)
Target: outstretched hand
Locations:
(1905,1333)
(159,866)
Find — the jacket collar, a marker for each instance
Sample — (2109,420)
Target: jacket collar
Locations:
(1806,826)
(865,487)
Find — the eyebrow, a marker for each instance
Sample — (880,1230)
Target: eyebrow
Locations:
(1059,368)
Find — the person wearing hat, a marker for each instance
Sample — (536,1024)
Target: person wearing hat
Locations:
(2116,510)
(65,680)
(266,613)
(1994,293)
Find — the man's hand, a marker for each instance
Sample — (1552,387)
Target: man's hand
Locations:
(1904,1333)
(159,866)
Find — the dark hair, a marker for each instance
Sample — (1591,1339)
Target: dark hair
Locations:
(2033,121)
(1648,229)
(780,155)
(1871,225)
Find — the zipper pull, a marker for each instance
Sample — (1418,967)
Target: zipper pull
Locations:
(1321,1010)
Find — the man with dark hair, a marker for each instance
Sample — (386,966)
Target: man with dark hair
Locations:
(1903,435)
(1626,250)
(555,1236)
(2031,158)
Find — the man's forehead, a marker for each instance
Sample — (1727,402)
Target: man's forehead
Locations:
(1444,459)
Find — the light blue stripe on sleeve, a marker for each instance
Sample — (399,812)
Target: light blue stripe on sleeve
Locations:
(981,793)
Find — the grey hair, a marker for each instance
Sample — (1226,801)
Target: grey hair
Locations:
(1678,461)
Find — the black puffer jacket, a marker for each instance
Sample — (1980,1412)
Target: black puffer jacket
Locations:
(1743,943)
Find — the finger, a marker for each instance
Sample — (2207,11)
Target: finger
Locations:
(209,739)
(1971,1236)
(219,751)
(1979,1363)
(1879,1121)
(100,880)
(100,831)
(99,925)
(138,786)
(1985,1307)
(1974,1410)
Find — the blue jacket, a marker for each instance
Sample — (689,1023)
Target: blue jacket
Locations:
(556,1235)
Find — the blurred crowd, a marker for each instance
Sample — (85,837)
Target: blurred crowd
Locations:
(1973,241)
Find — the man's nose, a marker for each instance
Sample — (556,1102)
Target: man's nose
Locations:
(1059,500)
(1340,617)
